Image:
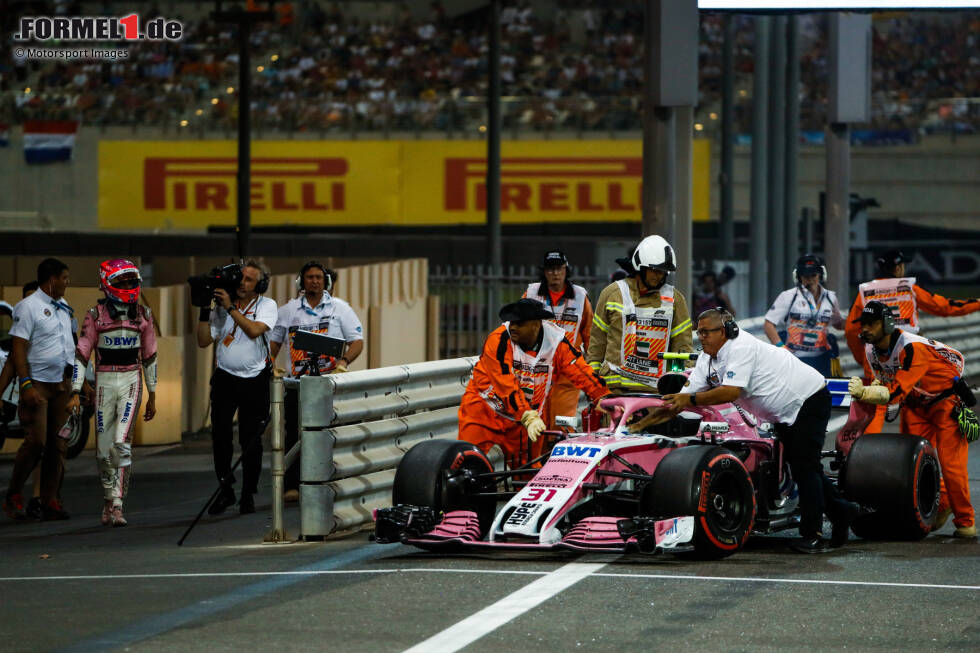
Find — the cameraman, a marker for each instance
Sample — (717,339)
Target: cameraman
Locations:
(317,311)
(240,381)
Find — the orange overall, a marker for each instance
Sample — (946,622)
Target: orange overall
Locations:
(564,395)
(496,398)
(926,301)
(923,369)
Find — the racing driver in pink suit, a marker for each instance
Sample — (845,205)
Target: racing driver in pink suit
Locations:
(120,332)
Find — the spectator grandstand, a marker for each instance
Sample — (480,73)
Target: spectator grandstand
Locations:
(577,67)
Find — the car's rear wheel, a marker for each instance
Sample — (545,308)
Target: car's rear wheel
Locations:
(711,484)
(898,476)
(441,474)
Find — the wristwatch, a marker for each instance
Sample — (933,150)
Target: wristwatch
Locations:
(693,400)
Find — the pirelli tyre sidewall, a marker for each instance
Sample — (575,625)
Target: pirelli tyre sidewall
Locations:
(710,483)
(432,474)
(898,476)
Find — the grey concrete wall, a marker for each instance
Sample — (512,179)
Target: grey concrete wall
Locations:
(936,182)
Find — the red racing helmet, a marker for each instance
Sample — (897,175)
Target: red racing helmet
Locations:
(120,280)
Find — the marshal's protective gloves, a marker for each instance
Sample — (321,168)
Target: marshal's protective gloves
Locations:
(339,368)
(871,394)
(835,369)
(533,423)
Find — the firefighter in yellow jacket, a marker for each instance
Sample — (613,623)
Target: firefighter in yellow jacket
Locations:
(638,317)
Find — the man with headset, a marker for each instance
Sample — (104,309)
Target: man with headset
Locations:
(775,386)
(805,312)
(906,298)
(240,382)
(318,311)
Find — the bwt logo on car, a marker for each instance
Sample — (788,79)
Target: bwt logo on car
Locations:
(562,184)
(208,183)
(575,452)
(97,28)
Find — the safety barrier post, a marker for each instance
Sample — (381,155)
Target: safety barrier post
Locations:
(316,466)
(278,532)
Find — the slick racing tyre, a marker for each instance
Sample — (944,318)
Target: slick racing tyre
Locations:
(79,436)
(711,484)
(441,474)
(898,476)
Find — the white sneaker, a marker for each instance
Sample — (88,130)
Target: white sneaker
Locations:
(106,513)
(117,517)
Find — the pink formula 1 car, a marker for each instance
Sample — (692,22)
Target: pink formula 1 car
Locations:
(701,482)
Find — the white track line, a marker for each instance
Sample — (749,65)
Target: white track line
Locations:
(506,572)
(510,607)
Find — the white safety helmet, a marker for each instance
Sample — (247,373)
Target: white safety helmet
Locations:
(654,252)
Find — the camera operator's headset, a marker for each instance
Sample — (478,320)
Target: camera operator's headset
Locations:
(327,276)
(262,284)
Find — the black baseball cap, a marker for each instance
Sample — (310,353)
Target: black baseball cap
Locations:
(524,309)
(890,259)
(554,258)
(874,311)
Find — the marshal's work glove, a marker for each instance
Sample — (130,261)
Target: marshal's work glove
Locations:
(871,394)
(533,423)
(835,369)
(339,368)
(967,422)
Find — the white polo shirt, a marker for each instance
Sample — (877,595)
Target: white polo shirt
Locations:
(46,324)
(774,382)
(238,354)
(333,317)
(798,303)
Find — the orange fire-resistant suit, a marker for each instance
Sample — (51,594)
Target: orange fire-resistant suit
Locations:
(577,322)
(926,301)
(500,392)
(915,370)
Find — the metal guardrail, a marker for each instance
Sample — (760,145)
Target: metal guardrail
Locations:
(357,426)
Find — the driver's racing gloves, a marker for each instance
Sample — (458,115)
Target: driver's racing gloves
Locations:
(871,394)
(533,423)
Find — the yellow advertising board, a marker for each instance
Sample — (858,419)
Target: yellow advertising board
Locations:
(192,184)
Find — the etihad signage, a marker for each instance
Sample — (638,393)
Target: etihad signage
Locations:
(192,185)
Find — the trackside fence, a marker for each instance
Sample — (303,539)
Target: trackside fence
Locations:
(357,426)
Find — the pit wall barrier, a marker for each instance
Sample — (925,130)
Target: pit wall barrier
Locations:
(391,298)
(357,426)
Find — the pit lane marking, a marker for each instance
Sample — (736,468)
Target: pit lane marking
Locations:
(510,607)
(507,572)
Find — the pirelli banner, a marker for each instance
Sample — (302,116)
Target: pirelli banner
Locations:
(192,184)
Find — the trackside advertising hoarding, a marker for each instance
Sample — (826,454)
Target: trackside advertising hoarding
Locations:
(165,184)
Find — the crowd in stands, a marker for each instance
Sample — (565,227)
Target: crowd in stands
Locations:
(320,69)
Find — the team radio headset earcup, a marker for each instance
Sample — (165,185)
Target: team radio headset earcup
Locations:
(888,321)
(262,284)
(731,329)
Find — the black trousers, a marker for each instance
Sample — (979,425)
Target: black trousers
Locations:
(291,436)
(250,398)
(802,444)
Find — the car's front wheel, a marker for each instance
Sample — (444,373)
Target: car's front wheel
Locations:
(711,484)
(443,475)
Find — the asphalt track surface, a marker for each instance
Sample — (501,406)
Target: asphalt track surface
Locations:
(78,586)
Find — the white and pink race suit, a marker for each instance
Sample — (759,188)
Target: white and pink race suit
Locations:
(123,339)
